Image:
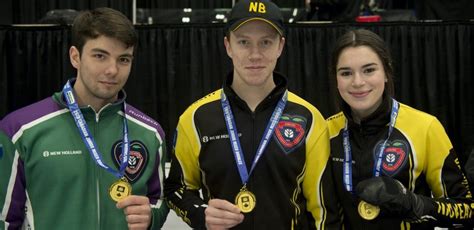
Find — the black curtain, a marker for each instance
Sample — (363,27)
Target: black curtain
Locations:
(34,63)
(444,9)
(290,3)
(178,64)
(31,11)
(6,12)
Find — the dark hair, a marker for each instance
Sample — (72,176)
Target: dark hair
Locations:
(102,21)
(355,38)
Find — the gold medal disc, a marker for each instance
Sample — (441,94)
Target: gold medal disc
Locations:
(245,200)
(368,211)
(120,189)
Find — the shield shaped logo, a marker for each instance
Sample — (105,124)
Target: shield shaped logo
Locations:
(136,162)
(290,131)
(394,156)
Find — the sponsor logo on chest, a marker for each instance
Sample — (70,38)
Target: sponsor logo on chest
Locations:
(61,153)
(206,138)
(394,157)
(290,132)
(136,162)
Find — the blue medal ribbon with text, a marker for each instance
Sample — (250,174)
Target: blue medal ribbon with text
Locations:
(347,165)
(89,140)
(234,136)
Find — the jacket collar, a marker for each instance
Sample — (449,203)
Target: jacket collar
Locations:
(281,85)
(110,108)
(375,121)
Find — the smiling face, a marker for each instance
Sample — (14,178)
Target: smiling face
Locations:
(103,68)
(360,80)
(254,49)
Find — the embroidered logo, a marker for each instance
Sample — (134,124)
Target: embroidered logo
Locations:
(257,7)
(290,131)
(61,153)
(137,161)
(394,157)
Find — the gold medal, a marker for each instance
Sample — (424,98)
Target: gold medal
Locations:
(120,189)
(368,211)
(245,200)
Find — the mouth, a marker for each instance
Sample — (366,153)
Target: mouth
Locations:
(360,94)
(255,67)
(108,83)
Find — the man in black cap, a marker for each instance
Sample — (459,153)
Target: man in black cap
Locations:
(256,151)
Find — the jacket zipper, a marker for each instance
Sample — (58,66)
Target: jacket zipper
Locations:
(97,117)
(254,150)
(98,201)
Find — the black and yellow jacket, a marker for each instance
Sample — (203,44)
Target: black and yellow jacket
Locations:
(291,181)
(419,154)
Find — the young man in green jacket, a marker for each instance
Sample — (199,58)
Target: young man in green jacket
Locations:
(84,158)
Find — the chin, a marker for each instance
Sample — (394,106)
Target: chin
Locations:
(108,95)
(359,106)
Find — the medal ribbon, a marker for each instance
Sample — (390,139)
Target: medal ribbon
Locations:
(234,136)
(89,140)
(347,165)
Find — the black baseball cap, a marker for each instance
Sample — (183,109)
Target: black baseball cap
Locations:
(248,10)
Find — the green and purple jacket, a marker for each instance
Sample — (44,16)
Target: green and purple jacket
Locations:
(50,181)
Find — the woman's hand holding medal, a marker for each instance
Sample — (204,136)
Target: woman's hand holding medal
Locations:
(393,198)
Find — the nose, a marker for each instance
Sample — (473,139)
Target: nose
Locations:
(112,68)
(255,53)
(358,80)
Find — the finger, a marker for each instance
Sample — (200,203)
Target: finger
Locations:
(137,226)
(133,200)
(224,204)
(137,209)
(222,214)
(136,219)
(215,227)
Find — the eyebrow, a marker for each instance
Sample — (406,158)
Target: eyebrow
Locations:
(364,66)
(370,64)
(99,50)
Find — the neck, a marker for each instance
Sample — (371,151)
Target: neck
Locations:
(253,95)
(97,105)
(359,115)
(86,99)
(356,117)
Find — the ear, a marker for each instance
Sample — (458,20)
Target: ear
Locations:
(227,46)
(282,44)
(74,57)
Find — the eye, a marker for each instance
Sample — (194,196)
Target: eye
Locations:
(243,42)
(125,60)
(267,42)
(345,73)
(99,56)
(369,70)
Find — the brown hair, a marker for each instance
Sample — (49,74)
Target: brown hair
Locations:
(355,38)
(102,21)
